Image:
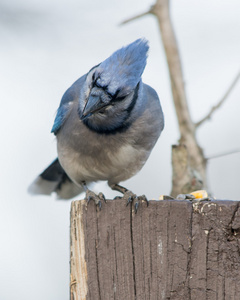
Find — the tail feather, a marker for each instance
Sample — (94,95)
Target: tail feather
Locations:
(54,179)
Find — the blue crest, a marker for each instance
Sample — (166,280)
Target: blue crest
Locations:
(123,69)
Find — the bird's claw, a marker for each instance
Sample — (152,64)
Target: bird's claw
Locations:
(136,207)
(96,198)
(102,197)
(117,198)
(131,197)
(144,198)
(138,199)
(99,204)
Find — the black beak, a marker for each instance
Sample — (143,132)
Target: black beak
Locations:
(92,105)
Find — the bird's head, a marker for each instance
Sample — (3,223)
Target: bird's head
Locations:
(110,87)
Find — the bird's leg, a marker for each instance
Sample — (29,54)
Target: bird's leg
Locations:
(129,196)
(92,196)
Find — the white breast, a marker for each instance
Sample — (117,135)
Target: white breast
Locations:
(113,167)
(127,162)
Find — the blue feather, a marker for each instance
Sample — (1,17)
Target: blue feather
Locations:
(62,113)
(64,107)
(123,69)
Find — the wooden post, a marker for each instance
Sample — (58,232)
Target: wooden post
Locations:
(170,250)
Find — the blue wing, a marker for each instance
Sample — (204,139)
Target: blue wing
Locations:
(62,113)
(72,94)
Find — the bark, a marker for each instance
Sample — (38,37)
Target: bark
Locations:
(184,178)
(170,250)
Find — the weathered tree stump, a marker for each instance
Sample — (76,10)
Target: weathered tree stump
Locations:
(170,250)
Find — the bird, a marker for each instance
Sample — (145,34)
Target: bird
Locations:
(106,126)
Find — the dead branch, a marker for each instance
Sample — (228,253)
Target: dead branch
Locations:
(161,11)
(196,161)
(223,154)
(137,17)
(220,103)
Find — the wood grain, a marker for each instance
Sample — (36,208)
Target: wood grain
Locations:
(169,250)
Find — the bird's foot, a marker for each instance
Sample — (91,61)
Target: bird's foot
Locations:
(130,197)
(96,198)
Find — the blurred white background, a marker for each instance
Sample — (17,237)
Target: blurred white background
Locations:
(45,46)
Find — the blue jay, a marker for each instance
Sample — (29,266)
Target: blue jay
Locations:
(106,126)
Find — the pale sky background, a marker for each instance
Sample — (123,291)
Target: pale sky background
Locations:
(45,46)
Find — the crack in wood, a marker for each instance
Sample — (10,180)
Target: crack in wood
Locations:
(189,257)
(116,268)
(97,266)
(168,262)
(207,260)
(133,256)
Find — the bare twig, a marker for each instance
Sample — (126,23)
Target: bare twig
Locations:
(137,17)
(223,154)
(219,104)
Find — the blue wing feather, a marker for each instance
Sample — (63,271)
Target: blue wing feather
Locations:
(62,112)
(69,96)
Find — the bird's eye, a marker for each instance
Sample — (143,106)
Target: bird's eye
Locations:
(116,97)
(120,98)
